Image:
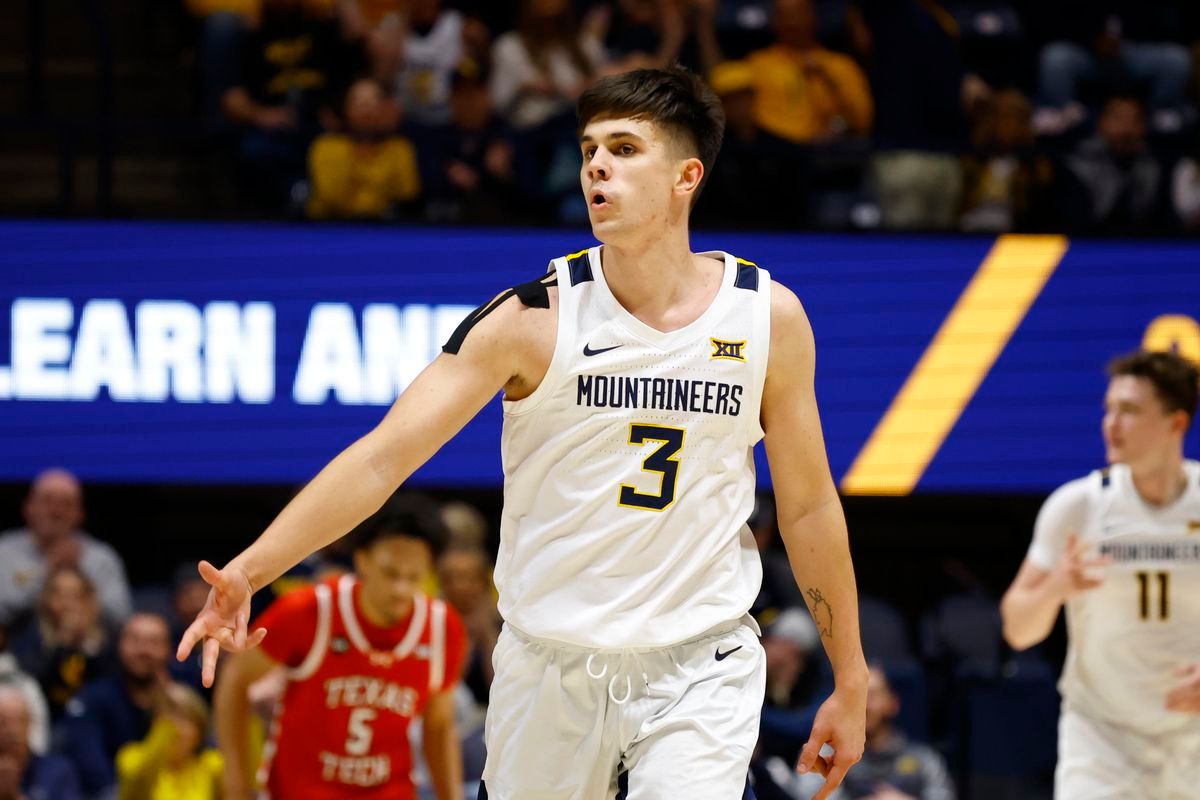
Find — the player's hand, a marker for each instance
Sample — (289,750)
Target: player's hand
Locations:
(841,722)
(1075,572)
(1185,697)
(222,621)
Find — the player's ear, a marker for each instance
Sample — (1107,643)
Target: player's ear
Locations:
(1180,422)
(691,172)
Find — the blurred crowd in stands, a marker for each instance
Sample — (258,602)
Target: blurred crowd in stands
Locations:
(975,115)
(94,705)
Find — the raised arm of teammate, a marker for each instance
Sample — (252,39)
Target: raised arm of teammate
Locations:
(508,348)
(813,529)
(1056,568)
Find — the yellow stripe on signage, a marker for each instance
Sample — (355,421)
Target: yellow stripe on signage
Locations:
(961,355)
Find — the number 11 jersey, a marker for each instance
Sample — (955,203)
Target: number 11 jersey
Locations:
(629,472)
(1129,634)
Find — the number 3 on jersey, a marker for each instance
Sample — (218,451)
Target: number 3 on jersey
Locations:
(662,461)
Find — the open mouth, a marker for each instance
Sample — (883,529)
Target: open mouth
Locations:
(596,199)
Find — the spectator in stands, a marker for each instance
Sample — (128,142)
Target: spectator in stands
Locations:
(223,23)
(892,768)
(789,643)
(469,164)
(538,72)
(1112,182)
(367,172)
(465,526)
(465,578)
(436,41)
(804,92)
(921,92)
(113,711)
(540,69)
(65,645)
(794,684)
(24,775)
(1007,184)
(172,763)
(12,676)
(52,538)
(1185,191)
(1105,44)
(639,34)
(294,66)
(188,594)
(382,27)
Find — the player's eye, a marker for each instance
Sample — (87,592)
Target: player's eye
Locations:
(588,152)
(627,150)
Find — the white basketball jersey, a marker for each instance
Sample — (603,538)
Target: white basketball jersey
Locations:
(1130,633)
(629,472)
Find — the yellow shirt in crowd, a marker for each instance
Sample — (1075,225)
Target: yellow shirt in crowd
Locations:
(801,105)
(351,182)
(142,773)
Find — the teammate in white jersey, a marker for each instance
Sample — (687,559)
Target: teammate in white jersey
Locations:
(1121,549)
(637,379)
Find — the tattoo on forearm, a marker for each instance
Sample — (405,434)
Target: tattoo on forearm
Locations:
(821,611)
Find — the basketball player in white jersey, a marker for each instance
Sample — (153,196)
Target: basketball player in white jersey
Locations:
(1120,549)
(637,379)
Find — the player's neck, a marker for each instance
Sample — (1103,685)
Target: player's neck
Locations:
(653,278)
(377,617)
(1161,482)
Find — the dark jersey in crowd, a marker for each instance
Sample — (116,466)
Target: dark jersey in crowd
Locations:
(299,60)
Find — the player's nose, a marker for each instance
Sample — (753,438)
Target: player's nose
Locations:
(599,168)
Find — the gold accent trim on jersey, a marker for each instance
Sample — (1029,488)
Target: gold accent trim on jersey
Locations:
(726,350)
(662,476)
(744,261)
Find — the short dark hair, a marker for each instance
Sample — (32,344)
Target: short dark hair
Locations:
(1176,380)
(674,98)
(410,516)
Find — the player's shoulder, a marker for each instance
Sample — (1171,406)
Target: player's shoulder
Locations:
(1084,490)
(511,314)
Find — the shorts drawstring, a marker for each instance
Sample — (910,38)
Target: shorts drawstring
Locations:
(612,682)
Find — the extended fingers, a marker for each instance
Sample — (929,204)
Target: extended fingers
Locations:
(812,749)
(193,634)
(833,779)
(208,666)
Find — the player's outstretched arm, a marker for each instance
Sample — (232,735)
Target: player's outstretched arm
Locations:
(443,398)
(813,529)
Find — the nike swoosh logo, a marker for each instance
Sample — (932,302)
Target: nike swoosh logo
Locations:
(588,351)
(722,656)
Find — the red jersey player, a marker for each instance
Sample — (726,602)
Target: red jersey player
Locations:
(364,656)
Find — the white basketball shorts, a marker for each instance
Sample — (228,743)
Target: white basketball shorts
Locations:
(563,722)
(1101,761)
